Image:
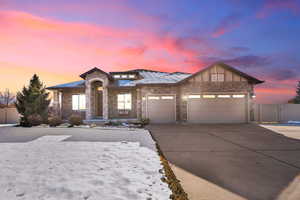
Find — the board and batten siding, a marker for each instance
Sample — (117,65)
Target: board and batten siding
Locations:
(201,84)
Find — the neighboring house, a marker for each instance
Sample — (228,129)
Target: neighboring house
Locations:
(216,94)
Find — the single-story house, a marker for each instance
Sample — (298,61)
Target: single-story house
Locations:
(216,94)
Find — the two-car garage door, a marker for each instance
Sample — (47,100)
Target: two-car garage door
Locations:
(217,108)
(208,108)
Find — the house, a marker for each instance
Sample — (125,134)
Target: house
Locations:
(216,94)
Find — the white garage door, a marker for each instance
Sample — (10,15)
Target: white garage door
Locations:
(223,108)
(161,108)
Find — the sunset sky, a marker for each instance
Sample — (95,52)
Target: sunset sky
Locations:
(60,39)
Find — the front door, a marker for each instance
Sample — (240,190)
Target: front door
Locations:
(99,103)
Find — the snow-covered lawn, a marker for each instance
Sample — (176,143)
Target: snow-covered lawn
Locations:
(50,169)
(7,125)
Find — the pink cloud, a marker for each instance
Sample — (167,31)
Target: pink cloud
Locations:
(73,47)
(226,25)
(271,6)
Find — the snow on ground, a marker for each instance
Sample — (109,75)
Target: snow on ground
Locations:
(50,169)
(7,125)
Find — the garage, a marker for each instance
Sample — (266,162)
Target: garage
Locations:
(161,108)
(213,108)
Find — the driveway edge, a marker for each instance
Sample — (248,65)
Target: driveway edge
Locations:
(178,192)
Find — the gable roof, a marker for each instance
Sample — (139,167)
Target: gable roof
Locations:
(75,84)
(251,79)
(95,69)
(151,77)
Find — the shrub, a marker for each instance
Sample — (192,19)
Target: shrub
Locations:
(54,121)
(75,120)
(34,120)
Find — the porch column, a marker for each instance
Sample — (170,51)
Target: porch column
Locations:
(105,103)
(56,105)
(88,96)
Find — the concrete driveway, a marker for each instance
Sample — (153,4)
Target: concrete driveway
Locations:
(248,161)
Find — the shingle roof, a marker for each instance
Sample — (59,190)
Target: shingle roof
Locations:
(75,84)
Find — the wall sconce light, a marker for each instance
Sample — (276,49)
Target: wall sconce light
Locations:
(100,88)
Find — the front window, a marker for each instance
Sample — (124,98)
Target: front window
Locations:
(78,102)
(124,101)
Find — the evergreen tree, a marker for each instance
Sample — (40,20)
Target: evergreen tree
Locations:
(297,98)
(33,100)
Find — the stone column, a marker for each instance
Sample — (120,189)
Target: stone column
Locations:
(139,103)
(56,106)
(105,103)
(88,95)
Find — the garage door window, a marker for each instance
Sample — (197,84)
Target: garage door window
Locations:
(223,96)
(124,101)
(209,96)
(238,96)
(153,98)
(167,97)
(194,96)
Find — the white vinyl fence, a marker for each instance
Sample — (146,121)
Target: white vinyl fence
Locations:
(12,116)
(276,112)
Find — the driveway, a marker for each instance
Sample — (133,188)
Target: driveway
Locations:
(246,160)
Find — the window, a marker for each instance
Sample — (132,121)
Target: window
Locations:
(223,96)
(131,76)
(124,101)
(117,76)
(238,96)
(124,76)
(217,77)
(194,96)
(78,102)
(167,97)
(209,96)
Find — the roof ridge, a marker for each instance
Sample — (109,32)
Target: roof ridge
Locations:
(147,70)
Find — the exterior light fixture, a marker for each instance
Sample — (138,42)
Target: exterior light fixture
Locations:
(100,88)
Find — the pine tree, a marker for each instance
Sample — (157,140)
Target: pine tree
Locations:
(33,100)
(297,98)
